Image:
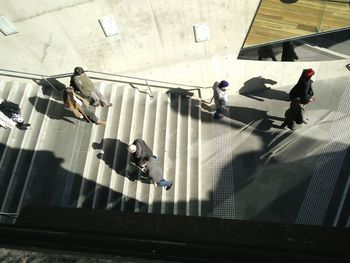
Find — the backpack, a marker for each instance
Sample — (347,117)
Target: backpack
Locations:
(10,106)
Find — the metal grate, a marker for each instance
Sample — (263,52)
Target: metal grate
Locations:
(319,193)
(223,195)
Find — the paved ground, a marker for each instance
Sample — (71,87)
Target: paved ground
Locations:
(284,176)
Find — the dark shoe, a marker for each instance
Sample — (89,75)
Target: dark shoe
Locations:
(96,145)
(131,178)
(169,186)
(217,116)
(22,126)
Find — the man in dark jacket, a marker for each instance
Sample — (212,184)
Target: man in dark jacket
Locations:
(148,163)
(140,152)
(82,84)
(293,115)
(303,89)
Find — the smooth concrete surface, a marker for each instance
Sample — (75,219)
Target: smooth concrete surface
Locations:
(55,37)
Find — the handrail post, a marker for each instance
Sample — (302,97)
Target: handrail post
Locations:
(149,88)
(199,94)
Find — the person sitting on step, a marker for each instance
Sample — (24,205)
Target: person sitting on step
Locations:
(83,85)
(79,107)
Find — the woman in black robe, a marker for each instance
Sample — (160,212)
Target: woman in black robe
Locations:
(303,89)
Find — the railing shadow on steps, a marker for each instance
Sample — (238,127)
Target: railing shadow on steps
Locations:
(173,88)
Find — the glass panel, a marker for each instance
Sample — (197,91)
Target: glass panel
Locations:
(336,15)
(333,45)
(287,19)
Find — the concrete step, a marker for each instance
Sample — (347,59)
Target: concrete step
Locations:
(33,142)
(90,172)
(12,138)
(63,161)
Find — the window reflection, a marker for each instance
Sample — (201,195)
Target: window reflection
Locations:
(288,19)
(329,46)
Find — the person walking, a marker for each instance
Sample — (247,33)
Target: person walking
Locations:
(148,163)
(303,89)
(79,107)
(140,153)
(220,98)
(294,114)
(82,84)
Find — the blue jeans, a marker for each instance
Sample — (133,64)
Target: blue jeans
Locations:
(164,182)
(219,112)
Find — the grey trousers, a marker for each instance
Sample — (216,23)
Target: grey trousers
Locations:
(91,116)
(97,96)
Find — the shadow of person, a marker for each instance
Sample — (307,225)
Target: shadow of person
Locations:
(112,149)
(256,88)
(50,84)
(250,116)
(56,110)
(179,92)
(256,84)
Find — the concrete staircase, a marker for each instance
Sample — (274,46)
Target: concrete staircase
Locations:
(64,162)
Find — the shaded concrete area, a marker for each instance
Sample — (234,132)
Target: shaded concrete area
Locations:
(43,255)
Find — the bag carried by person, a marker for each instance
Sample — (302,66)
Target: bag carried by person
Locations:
(10,106)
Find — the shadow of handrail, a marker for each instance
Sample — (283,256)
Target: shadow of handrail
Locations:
(145,82)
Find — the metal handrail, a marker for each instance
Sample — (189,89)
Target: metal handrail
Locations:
(146,81)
